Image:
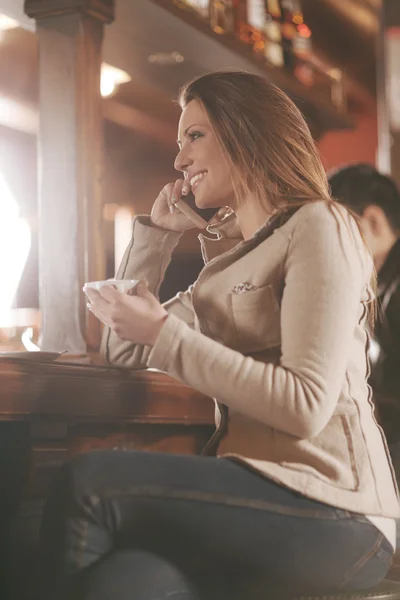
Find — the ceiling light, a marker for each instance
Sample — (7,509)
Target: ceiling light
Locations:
(111,78)
(107,86)
(6,23)
(166,58)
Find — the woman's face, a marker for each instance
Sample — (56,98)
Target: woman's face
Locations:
(201,159)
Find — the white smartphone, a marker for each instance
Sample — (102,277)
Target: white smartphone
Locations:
(200,216)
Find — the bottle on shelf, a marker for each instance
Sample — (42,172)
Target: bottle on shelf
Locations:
(255,22)
(297,43)
(329,83)
(249,22)
(303,69)
(201,7)
(273,50)
(222,16)
(183,4)
(289,33)
(291,11)
(338,89)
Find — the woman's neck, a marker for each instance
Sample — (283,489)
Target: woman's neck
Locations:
(251,215)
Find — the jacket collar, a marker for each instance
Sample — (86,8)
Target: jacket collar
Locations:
(227,234)
(222,234)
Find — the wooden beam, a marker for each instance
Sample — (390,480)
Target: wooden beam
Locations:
(24,116)
(102,10)
(360,14)
(388,72)
(140,122)
(70,34)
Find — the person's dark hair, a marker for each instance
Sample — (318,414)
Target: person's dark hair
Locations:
(360,185)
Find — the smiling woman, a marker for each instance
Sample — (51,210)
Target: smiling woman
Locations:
(275,330)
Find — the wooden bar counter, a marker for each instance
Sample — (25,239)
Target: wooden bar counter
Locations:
(50,412)
(72,407)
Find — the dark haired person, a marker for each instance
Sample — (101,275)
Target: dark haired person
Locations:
(376,199)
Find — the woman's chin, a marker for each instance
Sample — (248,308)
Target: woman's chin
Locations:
(207,198)
(204,201)
(201,199)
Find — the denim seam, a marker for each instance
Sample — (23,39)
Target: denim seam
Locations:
(362,561)
(207,497)
(82,545)
(385,557)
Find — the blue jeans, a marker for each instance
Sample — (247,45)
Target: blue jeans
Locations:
(146,526)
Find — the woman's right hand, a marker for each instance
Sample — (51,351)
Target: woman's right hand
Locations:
(165,214)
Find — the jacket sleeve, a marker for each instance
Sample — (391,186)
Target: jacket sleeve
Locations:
(326,272)
(146,258)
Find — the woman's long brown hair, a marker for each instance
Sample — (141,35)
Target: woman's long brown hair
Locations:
(265,138)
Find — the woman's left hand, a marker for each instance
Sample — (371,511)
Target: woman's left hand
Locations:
(137,318)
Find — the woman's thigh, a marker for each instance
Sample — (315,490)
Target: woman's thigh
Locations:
(206,515)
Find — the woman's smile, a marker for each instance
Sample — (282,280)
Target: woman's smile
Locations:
(197,179)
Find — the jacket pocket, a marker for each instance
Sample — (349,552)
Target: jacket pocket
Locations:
(256,316)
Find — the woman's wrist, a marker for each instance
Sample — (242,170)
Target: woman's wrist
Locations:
(157,328)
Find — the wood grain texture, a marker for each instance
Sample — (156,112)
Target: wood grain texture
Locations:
(70,206)
(50,412)
(73,393)
(71,408)
(100,9)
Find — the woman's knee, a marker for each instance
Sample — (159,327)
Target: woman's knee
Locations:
(128,574)
(74,479)
(83,468)
(91,475)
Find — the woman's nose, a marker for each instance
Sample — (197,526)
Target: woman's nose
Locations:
(182,160)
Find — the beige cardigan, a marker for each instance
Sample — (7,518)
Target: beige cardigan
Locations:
(274,329)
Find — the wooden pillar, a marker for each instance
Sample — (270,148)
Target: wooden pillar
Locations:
(71,250)
(388,80)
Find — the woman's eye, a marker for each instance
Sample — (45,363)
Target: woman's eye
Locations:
(194,135)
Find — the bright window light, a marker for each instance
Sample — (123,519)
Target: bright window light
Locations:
(15,244)
(107,86)
(122,232)
(6,23)
(111,78)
